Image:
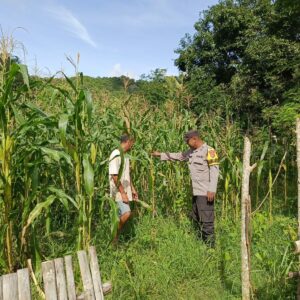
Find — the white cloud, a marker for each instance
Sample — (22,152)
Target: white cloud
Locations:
(117,72)
(71,23)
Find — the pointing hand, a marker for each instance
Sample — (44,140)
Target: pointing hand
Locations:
(155,154)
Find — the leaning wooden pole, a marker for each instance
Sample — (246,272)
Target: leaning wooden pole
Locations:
(245,221)
(298,166)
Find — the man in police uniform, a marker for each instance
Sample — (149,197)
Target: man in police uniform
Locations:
(204,170)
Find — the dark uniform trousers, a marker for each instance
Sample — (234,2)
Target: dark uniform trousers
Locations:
(204,215)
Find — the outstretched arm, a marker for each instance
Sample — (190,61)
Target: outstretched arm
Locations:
(167,156)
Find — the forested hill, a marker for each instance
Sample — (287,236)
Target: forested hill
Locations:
(242,62)
(244,58)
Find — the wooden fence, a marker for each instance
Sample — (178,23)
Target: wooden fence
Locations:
(58,280)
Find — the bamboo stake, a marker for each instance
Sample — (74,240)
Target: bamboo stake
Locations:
(40,291)
(273,183)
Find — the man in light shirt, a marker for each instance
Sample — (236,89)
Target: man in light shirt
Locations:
(121,187)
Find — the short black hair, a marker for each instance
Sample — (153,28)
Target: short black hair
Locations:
(190,134)
(125,138)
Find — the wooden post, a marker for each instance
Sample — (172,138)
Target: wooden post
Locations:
(48,270)
(60,279)
(1,293)
(10,286)
(86,275)
(95,273)
(24,284)
(245,220)
(298,166)
(297,247)
(293,275)
(70,278)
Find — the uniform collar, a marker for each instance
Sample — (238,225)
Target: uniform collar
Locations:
(201,147)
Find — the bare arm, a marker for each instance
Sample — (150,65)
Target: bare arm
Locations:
(120,188)
(134,192)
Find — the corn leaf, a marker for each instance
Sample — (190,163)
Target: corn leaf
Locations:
(88,175)
(143,204)
(89,105)
(24,72)
(114,217)
(57,155)
(71,84)
(93,153)
(63,197)
(35,213)
(62,125)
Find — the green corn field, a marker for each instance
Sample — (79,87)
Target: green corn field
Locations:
(56,137)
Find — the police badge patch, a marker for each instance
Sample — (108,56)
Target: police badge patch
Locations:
(212,157)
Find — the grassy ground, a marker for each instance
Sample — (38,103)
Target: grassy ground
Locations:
(162,258)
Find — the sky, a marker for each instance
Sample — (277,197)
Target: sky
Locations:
(113,37)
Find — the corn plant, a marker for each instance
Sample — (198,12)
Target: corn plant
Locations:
(14,82)
(29,158)
(76,138)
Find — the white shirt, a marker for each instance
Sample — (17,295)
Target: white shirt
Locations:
(114,169)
